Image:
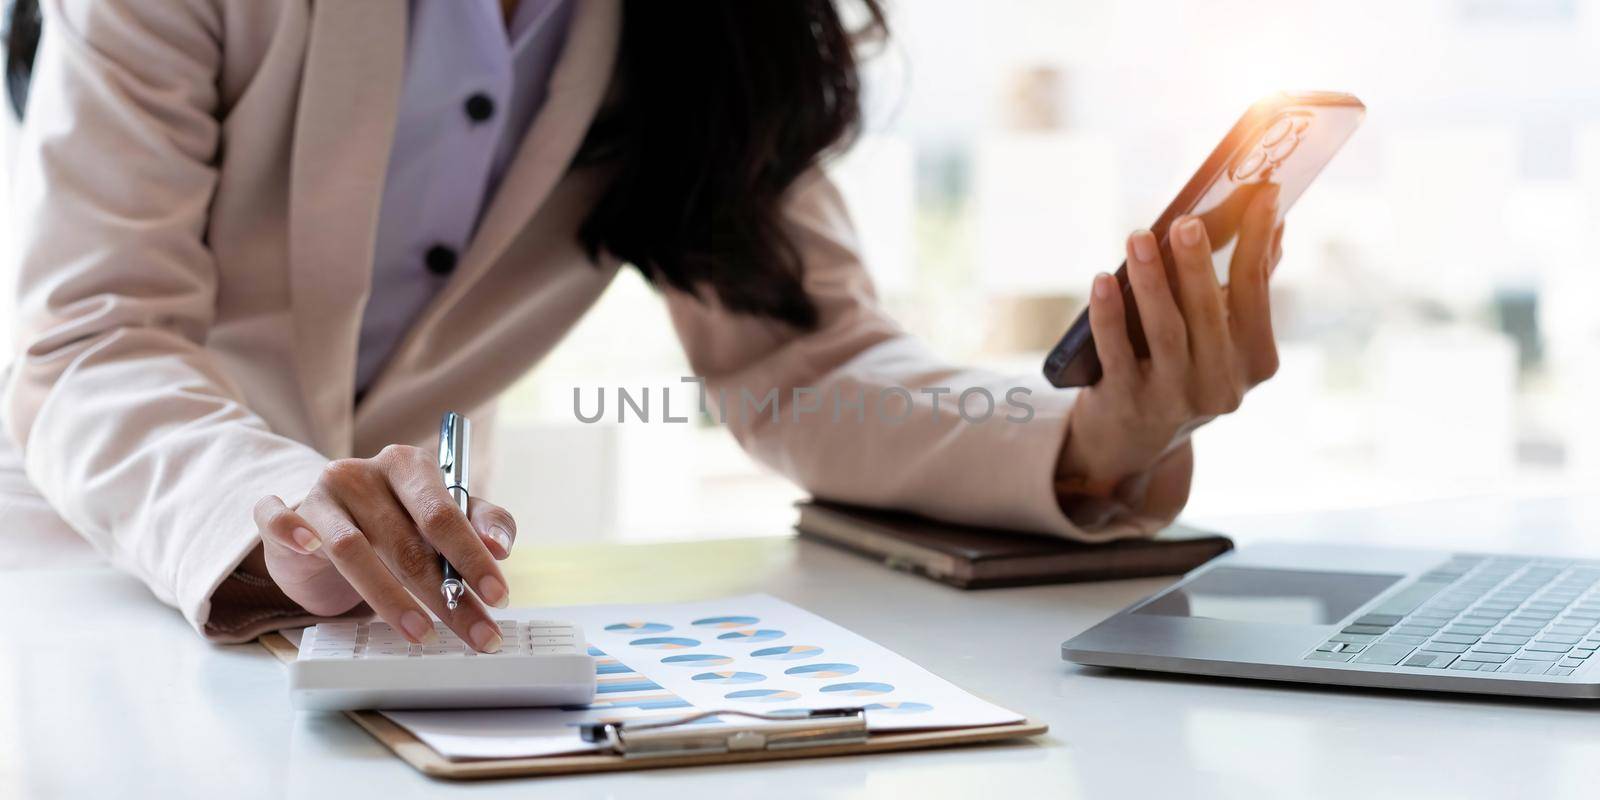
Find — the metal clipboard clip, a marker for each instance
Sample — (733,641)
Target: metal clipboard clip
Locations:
(821,727)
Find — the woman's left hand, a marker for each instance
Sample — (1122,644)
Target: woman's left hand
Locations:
(1208,347)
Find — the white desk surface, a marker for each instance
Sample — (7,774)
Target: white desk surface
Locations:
(106,693)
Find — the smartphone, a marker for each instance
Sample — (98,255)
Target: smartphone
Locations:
(1285,139)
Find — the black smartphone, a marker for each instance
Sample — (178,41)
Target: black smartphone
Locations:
(1285,139)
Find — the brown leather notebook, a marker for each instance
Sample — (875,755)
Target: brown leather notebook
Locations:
(970,557)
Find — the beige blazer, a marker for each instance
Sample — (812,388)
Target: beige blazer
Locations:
(197,192)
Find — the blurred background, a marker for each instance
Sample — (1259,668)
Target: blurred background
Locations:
(1435,304)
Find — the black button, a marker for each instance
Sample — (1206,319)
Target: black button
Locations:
(480,107)
(441,260)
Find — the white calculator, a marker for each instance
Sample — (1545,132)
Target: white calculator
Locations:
(349,665)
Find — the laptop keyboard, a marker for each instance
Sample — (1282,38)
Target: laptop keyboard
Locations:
(1524,616)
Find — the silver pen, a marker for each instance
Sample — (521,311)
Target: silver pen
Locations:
(455,437)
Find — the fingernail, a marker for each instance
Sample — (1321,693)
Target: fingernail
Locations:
(1102,286)
(494,592)
(501,537)
(485,637)
(307,540)
(1189,230)
(417,627)
(1144,246)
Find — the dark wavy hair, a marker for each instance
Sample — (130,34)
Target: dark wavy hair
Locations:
(723,104)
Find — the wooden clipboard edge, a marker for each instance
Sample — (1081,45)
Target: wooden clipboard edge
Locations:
(427,761)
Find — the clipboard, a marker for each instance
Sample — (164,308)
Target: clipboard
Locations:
(413,751)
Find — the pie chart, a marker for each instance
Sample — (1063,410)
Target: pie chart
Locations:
(822,670)
(751,636)
(730,677)
(724,622)
(639,627)
(787,653)
(898,708)
(858,689)
(665,642)
(697,660)
(763,695)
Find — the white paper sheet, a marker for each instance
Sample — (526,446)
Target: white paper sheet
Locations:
(754,653)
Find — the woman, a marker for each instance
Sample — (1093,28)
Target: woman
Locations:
(265,243)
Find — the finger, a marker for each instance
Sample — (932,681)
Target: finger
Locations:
(1277,250)
(413,560)
(1200,301)
(1108,320)
(280,526)
(1223,220)
(414,477)
(1158,312)
(494,524)
(1250,308)
(347,546)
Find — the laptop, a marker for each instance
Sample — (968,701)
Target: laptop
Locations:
(1361,616)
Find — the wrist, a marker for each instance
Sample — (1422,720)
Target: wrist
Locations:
(255,564)
(1080,469)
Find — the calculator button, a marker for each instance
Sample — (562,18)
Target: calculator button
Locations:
(547,640)
(546,650)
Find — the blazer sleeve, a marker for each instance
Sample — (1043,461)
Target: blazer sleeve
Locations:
(128,426)
(865,414)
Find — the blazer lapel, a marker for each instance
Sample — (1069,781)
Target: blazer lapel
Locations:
(349,99)
(578,84)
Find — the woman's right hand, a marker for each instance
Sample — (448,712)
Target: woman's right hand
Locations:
(372,529)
